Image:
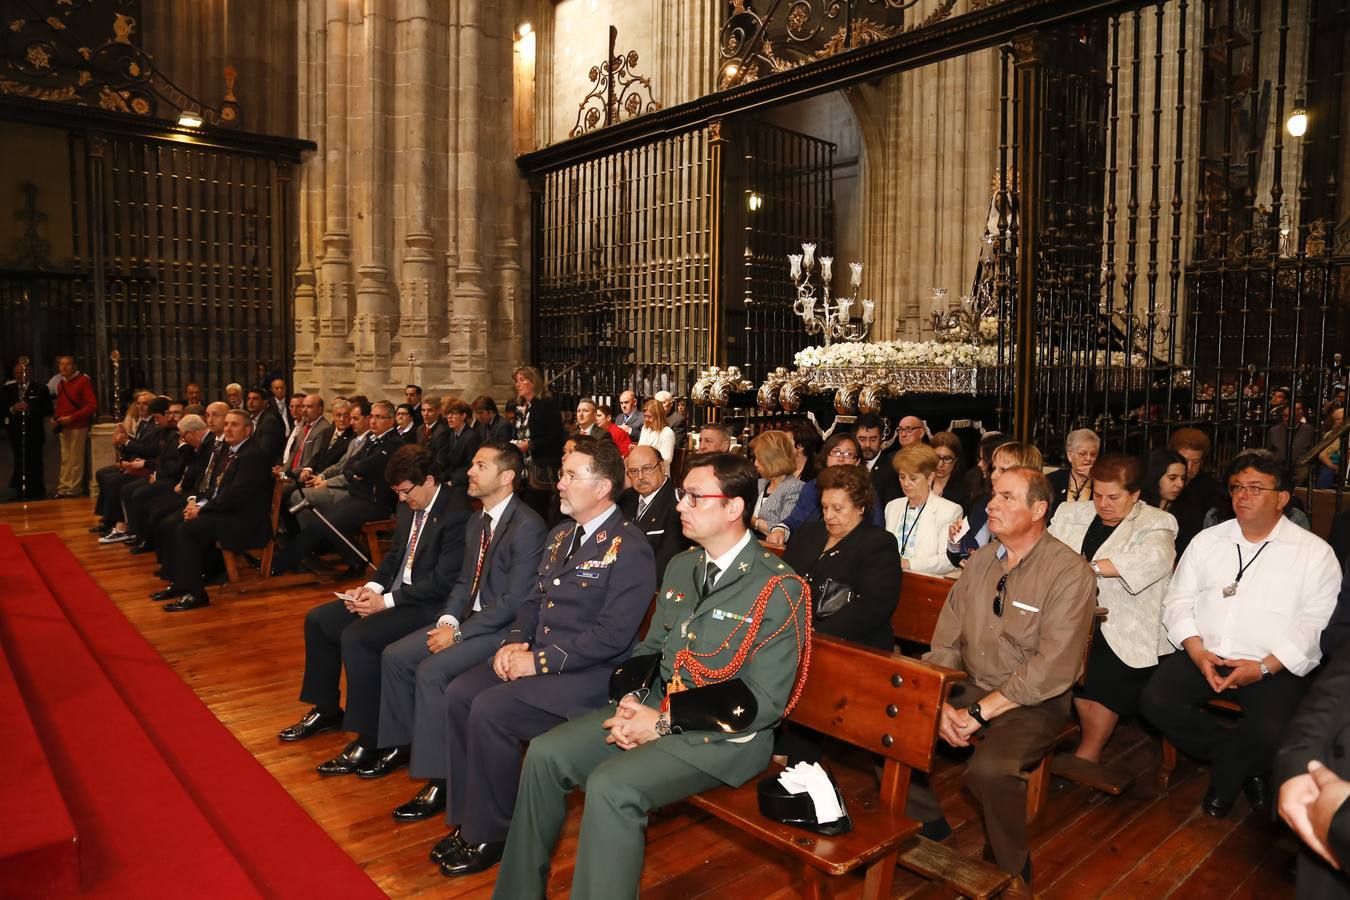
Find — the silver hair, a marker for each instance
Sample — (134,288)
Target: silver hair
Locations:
(1079,436)
(191,422)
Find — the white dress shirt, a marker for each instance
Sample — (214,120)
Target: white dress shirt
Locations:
(1281,606)
(406,577)
(724,561)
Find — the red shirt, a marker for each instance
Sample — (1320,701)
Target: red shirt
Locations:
(75,398)
(622,439)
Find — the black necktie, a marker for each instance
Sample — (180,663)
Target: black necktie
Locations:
(578,538)
(710,578)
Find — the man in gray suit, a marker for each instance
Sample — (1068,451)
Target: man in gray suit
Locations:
(502,547)
(309,438)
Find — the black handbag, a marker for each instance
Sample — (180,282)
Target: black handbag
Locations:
(829,597)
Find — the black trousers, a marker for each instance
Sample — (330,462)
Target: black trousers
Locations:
(194,548)
(1174,701)
(112,481)
(336,639)
(137,497)
(147,506)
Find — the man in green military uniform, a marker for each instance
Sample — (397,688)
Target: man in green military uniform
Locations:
(696,703)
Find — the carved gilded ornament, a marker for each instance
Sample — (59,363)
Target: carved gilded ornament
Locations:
(38,57)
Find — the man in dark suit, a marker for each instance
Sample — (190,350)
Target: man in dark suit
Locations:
(650,505)
(489,425)
(197,480)
(432,431)
(870,430)
(412,395)
(406,592)
(156,494)
(338,440)
(350,499)
(579,619)
(501,560)
(235,514)
(138,457)
(458,447)
(269,430)
(281,403)
(1311,770)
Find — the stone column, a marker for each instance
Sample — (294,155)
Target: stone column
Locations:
(468,318)
(332,361)
(418,314)
(311,36)
(371,328)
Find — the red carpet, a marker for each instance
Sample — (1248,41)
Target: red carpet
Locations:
(140,832)
(38,854)
(173,802)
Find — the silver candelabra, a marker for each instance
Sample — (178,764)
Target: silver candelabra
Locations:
(833,317)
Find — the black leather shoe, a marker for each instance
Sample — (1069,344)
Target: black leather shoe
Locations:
(188,602)
(141,549)
(473,858)
(1216,806)
(429,801)
(1257,789)
(168,593)
(448,846)
(310,724)
(938,829)
(346,762)
(384,762)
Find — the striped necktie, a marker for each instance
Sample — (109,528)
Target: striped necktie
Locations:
(484,541)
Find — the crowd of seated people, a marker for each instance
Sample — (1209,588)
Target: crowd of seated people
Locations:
(527,548)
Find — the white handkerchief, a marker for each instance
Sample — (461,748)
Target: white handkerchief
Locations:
(810,777)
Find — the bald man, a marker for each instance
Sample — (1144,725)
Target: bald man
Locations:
(309,438)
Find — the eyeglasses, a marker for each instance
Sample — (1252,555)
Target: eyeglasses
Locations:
(837,453)
(402,493)
(909,429)
(643,471)
(945,460)
(1251,490)
(682,495)
(998,595)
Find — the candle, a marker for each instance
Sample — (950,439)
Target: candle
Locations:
(795,263)
(869,310)
(855,276)
(826,268)
(809,255)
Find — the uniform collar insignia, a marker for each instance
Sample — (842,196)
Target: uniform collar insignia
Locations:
(600,538)
(744,567)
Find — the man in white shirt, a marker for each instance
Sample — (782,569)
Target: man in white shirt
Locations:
(502,548)
(1247,604)
(352,631)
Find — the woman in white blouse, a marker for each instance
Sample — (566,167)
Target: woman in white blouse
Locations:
(1132,547)
(920,520)
(655,432)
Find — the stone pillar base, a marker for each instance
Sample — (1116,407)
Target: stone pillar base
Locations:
(101,451)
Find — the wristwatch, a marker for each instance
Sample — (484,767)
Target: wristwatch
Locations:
(1265,669)
(663,725)
(974,710)
(1095,568)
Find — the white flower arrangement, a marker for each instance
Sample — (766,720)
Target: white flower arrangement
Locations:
(897,355)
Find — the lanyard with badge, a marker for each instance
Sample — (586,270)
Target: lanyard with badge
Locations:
(907,533)
(1242,569)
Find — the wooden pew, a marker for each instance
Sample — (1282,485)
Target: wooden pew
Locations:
(240,582)
(372,532)
(921,600)
(887,705)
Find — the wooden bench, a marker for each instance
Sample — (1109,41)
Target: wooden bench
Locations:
(372,532)
(238,582)
(916,614)
(889,706)
(1168,764)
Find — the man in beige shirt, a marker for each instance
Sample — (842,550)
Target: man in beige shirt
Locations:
(1016,623)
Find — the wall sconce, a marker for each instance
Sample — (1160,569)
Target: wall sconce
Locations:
(1297,123)
(754,201)
(189,119)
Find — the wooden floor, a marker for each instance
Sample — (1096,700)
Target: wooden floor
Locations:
(243,657)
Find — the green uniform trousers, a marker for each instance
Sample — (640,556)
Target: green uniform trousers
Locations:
(621,786)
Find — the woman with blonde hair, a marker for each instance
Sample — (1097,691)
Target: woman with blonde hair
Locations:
(655,432)
(920,520)
(961,542)
(775,461)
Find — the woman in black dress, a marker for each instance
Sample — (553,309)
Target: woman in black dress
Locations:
(845,555)
(539,435)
